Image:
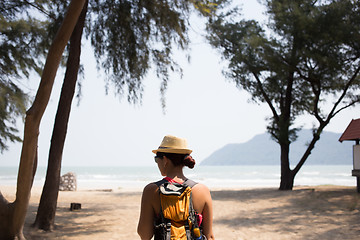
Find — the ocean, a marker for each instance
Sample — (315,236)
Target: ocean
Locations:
(225,177)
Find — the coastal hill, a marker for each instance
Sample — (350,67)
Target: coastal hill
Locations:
(262,150)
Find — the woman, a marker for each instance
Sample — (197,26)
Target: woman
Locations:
(171,157)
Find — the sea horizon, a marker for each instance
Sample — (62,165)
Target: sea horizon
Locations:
(225,177)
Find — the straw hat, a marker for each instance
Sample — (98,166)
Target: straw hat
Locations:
(172,144)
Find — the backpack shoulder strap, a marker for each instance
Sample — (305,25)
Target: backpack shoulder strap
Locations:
(188,182)
(160,182)
(162,226)
(196,231)
(165,225)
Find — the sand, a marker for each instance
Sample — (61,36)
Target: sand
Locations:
(321,212)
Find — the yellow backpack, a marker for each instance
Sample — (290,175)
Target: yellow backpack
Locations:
(177,220)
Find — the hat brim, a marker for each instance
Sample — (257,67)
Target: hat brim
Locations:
(173,150)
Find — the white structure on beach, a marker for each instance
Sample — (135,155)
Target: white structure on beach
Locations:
(68,182)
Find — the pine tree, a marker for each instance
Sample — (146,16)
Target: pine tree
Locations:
(305,61)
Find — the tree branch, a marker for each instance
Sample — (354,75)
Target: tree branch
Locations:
(333,111)
(266,97)
(346,106)
(316,137)
(39,8)
(317,91)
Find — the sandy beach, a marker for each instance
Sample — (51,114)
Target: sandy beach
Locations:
(321,212)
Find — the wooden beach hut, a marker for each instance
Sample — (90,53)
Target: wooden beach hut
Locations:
(352,133)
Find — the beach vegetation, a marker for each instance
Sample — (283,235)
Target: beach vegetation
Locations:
(128,38)
(23,45)
(12,214)
(304,61)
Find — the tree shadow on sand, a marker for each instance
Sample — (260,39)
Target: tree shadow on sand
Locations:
(71,223)
(94,218)
(326,212)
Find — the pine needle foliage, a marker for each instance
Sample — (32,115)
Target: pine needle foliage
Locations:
(305,60)
(22,43)
(129,37)
(132,37)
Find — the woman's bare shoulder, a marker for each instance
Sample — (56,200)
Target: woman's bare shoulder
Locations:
(150,191)
(150,188)
(201,186)
(201,189)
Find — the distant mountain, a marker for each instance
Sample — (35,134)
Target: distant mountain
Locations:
(262,150)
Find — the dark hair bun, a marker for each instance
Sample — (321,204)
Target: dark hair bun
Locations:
(189,161)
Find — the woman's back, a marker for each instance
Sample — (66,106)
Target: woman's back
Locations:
(201,201)
(171,156)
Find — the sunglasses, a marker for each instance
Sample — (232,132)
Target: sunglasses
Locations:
(156,158)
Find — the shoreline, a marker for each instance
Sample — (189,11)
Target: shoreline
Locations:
(11,189)
(213,177)
(306,212)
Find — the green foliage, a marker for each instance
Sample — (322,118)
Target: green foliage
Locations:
(309,52)
(12,101)
(129,37)
(22,43)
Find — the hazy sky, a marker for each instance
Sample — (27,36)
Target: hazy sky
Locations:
(202,106)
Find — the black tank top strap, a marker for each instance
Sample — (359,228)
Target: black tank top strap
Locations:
(190,183)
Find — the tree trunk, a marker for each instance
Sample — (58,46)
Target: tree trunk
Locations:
(6,209)
(287,176)
(45,218)
(13,214)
